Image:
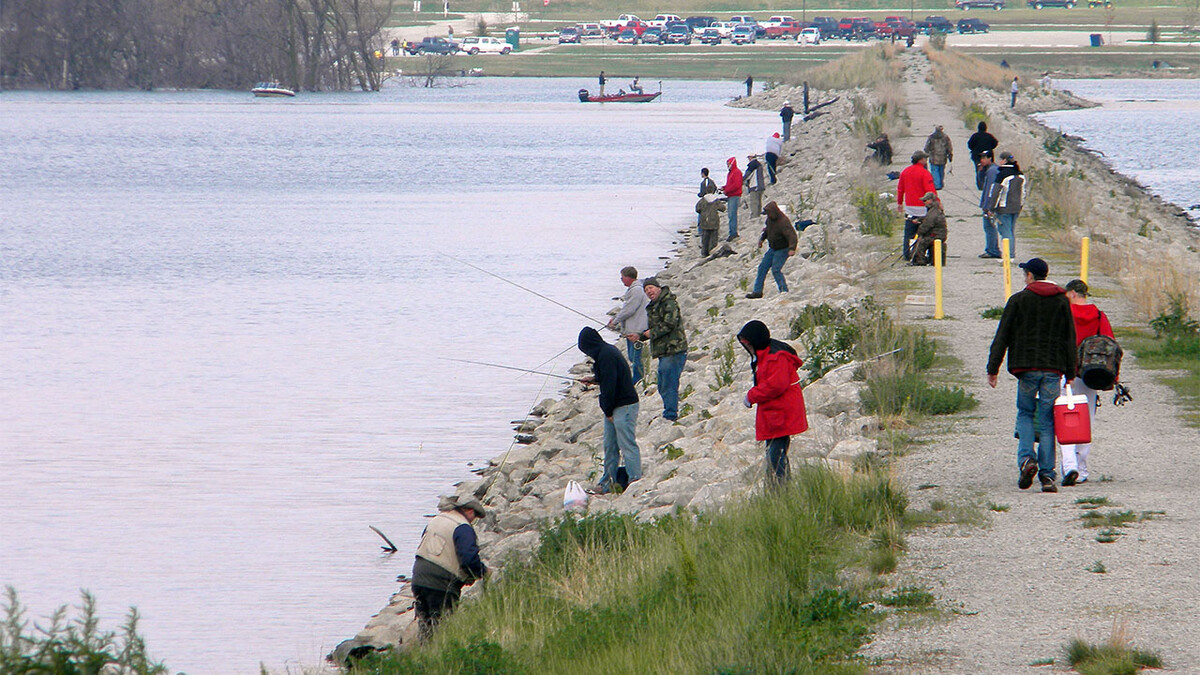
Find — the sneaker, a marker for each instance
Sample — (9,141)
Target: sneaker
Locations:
(988,256)
(1028,469)
(753,296)
(1081,481)
(732,237)
(1069,478)
(1048,485)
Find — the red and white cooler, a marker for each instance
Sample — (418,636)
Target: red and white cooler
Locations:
(1072,423)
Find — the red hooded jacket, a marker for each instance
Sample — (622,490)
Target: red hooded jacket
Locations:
(733,182)
(776,389)
(1089,321)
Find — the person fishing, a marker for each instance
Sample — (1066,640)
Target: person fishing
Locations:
(619,403)
(631,318)
(447,559)
(668,343)
(777,394)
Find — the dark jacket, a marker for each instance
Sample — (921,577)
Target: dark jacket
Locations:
(710,213)
(787,114)
(883,149)
(430,575)
(985,178)
(1037,330)
(980,141)
(1007,192)
(779,232)
(756,167)
(707,186)
(667,336)
(776,389)
(612,373)
(933,225)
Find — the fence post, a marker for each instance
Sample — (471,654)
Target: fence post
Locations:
(1084,245)
(1007,269)
(937,279)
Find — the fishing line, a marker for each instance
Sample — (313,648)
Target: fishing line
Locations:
(522,370)
(527,290)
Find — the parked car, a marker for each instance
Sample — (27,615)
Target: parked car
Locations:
(895,25)
(979,4)
(776,20)
(935,23)
(661,20)
(711,36)
(743,35)
(435,45)
(652,36)
(679,34)
(627,37)
(785,29)
(827,25)
(759,30)
(1092,4)
(699,23)
(725,28)
(590,30)
(972,25)
(484,45)
(1038,4)
(856,28)
(568,35)
(636,25)
(809,36)
(621,21)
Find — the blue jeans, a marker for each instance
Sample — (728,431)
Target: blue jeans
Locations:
(991,243)
(1036,391)
(771,159)
(911,223)
(635,360)
(732,205)
(777,459)
(772,260)
(619,441)
(939,174)
(787,131)
(1006,224)
(670,367)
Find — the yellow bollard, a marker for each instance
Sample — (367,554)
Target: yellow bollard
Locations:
(937,279)
(1084,245)
(1007,269)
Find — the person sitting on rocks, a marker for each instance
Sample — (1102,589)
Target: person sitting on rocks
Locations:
(932,227)
(619,403)
(447,559)
(883,150)
(777,394)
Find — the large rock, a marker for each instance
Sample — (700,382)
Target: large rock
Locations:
(847,450)
(711,497)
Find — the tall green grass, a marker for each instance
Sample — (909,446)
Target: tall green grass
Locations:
(754,589)
(875,213)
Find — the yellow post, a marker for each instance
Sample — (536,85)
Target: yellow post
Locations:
(1084,245)
(937,279)
(1007,269)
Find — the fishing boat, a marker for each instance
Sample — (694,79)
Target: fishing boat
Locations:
(586,97)
(271,89)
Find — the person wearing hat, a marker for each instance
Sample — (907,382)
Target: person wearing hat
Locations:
(932,227)
(915,181)
(1089,321)
(733,194)
(1037,332)
(618,402)
(987,178)
(709,209)
(773,151)
(447,559)
(1004,200)
(786,113)
(777,394)
(941,152)
(668,343)
(754,185)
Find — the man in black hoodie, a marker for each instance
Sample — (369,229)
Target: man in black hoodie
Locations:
(1037,330)
(618,402)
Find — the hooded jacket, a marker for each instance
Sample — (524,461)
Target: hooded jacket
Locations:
(1006,192)
(710,209)
(1089,321)
(939,148)
(1037,330)
(612,373)
(779,232)
(933,225)
(776,389)
(979,141)
(787,114)
(667,336)
(632,316)
(754,168)
(733,181)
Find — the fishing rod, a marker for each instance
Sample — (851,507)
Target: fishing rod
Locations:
(870,358)
(527,290)
(522,370)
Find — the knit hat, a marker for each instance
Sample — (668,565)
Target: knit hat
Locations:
(918,156)
(756,333)
(775,135)
(651,281)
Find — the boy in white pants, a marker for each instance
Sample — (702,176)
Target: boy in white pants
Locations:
(1074,457)
(1089,321)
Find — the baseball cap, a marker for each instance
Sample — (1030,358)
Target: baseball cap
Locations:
(929,197)
(986,153)
(1036,266)
(1006,155)
(918,155)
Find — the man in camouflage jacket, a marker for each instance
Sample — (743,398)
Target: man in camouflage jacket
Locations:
(668,343)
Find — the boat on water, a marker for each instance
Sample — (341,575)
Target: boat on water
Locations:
(586,97)
(271,89)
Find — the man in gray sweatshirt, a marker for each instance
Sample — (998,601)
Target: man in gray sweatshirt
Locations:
(631,318)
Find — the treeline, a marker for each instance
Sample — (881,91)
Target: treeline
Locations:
(223,44)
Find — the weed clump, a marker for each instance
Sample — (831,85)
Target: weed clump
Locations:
(875,213)
(1113,657)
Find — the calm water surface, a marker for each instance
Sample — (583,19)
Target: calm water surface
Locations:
(225,325)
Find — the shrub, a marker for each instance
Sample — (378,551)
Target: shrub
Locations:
(909,393)
(1114,657)
(875,213)
(992,313)
(726,360)
(1175,322)
(973,114)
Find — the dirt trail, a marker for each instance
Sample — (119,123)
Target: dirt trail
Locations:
(1016,591)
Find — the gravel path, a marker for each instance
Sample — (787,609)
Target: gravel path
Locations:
(1016,591)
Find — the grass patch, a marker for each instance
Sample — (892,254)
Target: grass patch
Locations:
(910,393)
(909,597)
(726,357)
(998,508)
(1108,535)
(1094,502)
(594,593)
(672,451)
(1114,657)
(991,313)
(1108,518)
(875,213)
(1098,568)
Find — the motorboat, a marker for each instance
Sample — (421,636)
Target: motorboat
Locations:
(634,97)
(271,89)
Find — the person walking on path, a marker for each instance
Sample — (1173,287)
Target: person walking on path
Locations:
(774,150)
(786,114)
(619,403)
(447,559)
(707,186)
(1037,331)
(668,343)
(1089,321)
(603,81)
(941,152)
(1013,90)
(1005,199)
(753,185)
(733,194)
(914,182)
(777,394)
(932,227)
(749,85)
(980,142)
(631,318)
(709,209)
(781,244)
(987,176)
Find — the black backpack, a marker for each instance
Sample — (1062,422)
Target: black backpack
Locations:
(1100,362)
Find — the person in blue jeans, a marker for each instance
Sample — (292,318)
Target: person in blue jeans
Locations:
(987,179)
(668,343)
(781,238)
(619,403)
(1037,332)
(631,318)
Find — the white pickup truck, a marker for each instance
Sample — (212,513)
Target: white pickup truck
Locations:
(620,22)
(661,20)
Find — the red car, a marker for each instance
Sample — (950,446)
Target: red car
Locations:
(785,29)
(638,27)
(895,25)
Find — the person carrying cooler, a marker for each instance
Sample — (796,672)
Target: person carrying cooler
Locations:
(777,394)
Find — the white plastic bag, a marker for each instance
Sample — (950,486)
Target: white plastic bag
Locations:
(575,499)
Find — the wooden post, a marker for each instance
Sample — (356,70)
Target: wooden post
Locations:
(937,280)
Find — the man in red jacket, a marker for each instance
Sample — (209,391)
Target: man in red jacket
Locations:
(1089,321)
(915,182)
(733,194)
(777,393)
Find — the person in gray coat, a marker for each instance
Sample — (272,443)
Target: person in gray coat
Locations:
(752,179)
(631,318)
(710,207)
(1004,199)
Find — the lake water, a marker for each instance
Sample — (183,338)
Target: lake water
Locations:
(1146,129)
(225,325)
